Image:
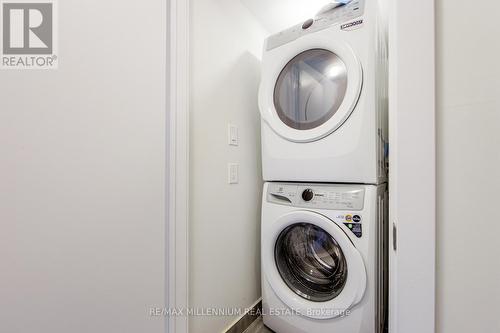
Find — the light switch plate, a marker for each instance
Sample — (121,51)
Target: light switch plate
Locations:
(232,134)
(232,173)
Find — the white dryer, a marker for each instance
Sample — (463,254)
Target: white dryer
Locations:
(324,258)
(323,97)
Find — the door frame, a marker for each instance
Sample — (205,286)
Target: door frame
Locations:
(412,175)
(412,165)
(177,183)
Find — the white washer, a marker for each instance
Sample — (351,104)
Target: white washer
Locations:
(324,258)
(323,98)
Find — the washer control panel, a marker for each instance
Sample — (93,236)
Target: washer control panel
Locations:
(333,197)
(336,15)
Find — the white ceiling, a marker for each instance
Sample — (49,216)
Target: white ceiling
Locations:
(277,15)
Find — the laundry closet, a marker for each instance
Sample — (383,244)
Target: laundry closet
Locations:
(292,97)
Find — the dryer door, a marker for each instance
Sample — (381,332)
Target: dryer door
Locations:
(313,266)
(310,89)
(313,93)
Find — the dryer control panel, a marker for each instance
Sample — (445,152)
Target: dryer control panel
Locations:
(315,196)
(348,10)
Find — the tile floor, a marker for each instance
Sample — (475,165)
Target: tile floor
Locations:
(258,327)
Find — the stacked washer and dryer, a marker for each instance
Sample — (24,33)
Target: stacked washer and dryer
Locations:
(323,102)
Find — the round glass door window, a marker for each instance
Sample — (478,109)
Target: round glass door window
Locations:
(310,89)
(311,262)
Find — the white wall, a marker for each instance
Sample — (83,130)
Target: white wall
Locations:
(225,219)
(277,15)
(82,176)
(468,120)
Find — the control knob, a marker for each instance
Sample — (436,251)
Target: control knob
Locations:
(307,195)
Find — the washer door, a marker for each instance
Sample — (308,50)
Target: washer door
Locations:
(312,265)
(311,262)
(311,94)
